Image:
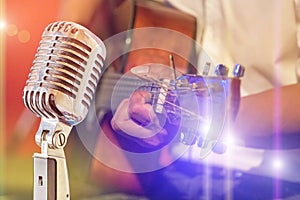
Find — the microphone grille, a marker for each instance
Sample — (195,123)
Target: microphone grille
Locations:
(65,72)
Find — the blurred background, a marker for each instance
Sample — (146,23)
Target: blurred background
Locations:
(21,27)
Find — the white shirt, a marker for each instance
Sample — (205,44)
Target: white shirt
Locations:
(261,35)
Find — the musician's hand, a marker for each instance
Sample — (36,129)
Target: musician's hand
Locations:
(135,117)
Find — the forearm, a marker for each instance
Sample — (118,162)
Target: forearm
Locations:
(270,112)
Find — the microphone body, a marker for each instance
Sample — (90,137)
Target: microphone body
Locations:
(67,67)
(60,87)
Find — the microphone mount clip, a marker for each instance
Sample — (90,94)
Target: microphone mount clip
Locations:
(50,168)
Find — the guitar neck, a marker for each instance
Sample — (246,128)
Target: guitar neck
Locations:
(114,87)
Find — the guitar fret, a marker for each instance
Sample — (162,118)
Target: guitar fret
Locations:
(164,94)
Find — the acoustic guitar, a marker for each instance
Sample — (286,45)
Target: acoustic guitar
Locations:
(131,16)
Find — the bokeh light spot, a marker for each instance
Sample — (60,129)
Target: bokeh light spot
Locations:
(24,36)
(11,30)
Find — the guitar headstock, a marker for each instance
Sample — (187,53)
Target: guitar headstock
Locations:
(183,103)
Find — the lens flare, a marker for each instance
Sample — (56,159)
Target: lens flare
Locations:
(2,24)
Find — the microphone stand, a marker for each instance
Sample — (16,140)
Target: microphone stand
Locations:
(51,180)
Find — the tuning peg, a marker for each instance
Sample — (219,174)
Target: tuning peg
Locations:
(221,70)
(219,148)
(206,69)
(238,71)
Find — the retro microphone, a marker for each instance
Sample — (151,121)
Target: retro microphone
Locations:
(60,87)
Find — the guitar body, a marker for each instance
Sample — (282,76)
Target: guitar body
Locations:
(130,14)
(149,14)
(134,14)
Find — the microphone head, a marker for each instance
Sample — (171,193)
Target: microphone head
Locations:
(65,73)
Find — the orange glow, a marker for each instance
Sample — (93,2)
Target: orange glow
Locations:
(24,36)
(11,30)
(25,22)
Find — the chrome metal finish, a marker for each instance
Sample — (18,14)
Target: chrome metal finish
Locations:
(162,96)
(50,176)
(206,69)
(65,73)
(221,70)
(60,87)
(238,71)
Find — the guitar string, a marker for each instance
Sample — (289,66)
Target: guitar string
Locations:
(159,85)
